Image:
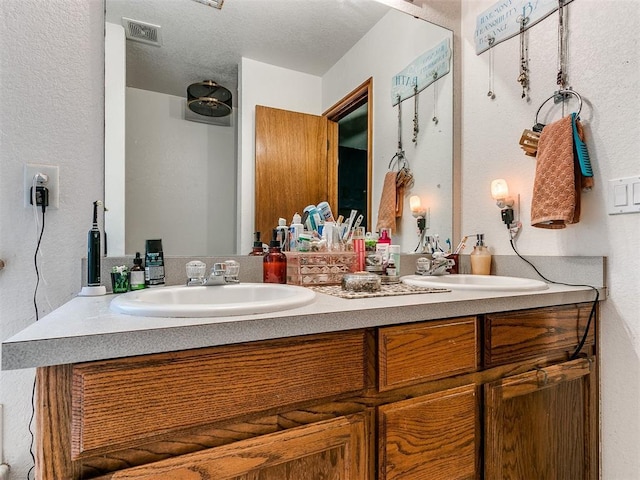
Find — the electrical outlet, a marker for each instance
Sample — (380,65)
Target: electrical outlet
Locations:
(52,184)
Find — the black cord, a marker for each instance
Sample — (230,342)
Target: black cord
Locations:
(592,313)
(35,306)
(35,264)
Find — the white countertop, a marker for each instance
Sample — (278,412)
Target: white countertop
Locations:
(85,329)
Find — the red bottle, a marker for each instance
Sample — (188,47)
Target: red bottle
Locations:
(274,263)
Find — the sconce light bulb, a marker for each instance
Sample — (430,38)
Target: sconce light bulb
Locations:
(417,210)
(499,189)
(500,193)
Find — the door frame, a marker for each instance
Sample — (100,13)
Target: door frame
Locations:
(350,102)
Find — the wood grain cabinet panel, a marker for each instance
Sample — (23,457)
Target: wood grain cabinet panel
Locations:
(432,437)
(120,401)
(543,424)
(334,450)
(415,353)
(514,336)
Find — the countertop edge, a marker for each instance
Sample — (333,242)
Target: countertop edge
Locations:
(57,350)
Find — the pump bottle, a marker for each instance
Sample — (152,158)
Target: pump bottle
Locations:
(274,263)
(480,257)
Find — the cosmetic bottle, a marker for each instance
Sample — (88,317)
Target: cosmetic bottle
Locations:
(480,257)
(383,244)
(325,212)
(136,281)
(274,263)
(154,264)
(358,247)
(257,246)
(283,234)
(394,258)
(295,230)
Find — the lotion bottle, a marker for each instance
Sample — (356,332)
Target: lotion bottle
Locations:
(274,263)
(480,257)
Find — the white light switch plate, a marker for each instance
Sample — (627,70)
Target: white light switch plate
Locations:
(624,196)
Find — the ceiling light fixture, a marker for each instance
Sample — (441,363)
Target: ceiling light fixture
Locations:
(209,99)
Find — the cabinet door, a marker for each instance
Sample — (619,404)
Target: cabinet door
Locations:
(430,437)
(335,449)
(543,424)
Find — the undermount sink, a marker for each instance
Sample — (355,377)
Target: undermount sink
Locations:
(476,282)
(212,301)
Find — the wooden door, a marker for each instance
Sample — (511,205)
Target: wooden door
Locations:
(296,165)
(543,424)
(433,437)
(334,449)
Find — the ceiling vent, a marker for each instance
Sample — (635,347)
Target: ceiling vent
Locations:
(142,32)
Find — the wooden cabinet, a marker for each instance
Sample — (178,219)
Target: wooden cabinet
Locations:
(542,423)
(334,449)
(487,397)
(429,437)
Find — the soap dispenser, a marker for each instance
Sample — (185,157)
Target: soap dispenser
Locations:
(257,251)
(480,257)
(274,263)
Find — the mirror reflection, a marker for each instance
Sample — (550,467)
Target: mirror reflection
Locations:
(192,183)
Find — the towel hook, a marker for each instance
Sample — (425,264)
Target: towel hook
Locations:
(561,96)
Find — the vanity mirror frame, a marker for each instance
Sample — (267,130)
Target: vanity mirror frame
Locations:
(241,243)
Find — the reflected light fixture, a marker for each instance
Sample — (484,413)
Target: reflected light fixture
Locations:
(421,215)
(508,204)
(210,99)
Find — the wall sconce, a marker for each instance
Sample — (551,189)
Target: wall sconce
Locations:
(509,205)
(422,216)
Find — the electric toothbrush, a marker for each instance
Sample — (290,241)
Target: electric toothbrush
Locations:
(94,286)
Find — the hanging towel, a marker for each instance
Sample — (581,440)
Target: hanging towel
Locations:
(556,189)
(387,211)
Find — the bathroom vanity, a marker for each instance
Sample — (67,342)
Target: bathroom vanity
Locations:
(455,385)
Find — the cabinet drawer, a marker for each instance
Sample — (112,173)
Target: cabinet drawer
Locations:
(515,336)
(414,353)
(117,402)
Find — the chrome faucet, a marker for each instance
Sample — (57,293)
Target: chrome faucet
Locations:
(438,265)
(223,273)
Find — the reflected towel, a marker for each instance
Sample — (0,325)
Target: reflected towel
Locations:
(556,188)
(387,211)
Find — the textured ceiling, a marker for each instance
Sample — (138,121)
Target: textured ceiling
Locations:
(204,43)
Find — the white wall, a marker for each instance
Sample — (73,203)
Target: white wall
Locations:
(165,153)
(604,67)
(115,76)
(392,44)
(264,84)
(51,99)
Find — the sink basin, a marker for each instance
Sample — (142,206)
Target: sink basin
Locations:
(476,282)
(214,301)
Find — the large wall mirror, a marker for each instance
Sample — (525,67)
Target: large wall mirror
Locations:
(173,176)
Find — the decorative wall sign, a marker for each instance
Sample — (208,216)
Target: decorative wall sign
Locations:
(422,72)
(503,20)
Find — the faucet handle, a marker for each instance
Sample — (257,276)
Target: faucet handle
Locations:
(231,271)
(195,272)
